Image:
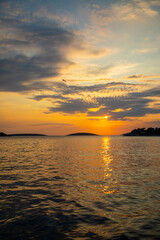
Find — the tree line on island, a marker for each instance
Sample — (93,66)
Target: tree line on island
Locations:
(144,132)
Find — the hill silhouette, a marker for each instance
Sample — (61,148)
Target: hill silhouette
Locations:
(2,134)
(82,134)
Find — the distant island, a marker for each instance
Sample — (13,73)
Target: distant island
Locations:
(82,134)
(2,134)
(144,132)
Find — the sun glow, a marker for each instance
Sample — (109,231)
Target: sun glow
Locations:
(105,117)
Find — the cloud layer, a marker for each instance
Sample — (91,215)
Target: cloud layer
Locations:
(119,101)
(36,47)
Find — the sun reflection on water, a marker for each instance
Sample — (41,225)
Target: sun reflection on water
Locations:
(109,186)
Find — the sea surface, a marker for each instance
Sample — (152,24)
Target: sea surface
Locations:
(80,187)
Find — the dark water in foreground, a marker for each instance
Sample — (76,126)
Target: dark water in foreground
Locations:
(80,188)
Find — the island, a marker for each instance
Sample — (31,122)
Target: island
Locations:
(144,132)
(2,134)
(82,134)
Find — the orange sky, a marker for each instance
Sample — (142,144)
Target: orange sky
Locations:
(79,66)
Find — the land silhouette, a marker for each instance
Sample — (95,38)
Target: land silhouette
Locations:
(2,134)
(82,134)
(144,132)
(135,132)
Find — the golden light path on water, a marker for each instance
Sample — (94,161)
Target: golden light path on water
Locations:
(107,158)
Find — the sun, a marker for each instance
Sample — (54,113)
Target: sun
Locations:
(105,117)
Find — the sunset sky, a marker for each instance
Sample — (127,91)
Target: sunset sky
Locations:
(79,66)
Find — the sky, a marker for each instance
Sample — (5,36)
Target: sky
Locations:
(79,66)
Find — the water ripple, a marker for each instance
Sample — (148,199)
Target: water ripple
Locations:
(65,188)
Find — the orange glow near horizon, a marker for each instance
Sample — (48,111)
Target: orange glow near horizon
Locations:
(19,115)
(85,72)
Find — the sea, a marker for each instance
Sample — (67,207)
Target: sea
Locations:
(80,187)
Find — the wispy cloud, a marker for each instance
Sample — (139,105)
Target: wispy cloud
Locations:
(124,11)
(150,79)
(145,50)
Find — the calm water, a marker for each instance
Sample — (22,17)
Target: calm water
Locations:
(80,188)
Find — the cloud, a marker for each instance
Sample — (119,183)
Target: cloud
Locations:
(32,51)
(36,48)
(124,11)
(63,91)
(136,76)
(71,106)
(102,71)
(18,69)
(136,104)
(145,50)
(56,97)
(47,14)
(107,99)
(141,78)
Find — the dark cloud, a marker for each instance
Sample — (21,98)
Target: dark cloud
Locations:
(138,107)
(134,104)
(16,72)
(154,92)
(72,106)
(32,52)
(93,88)
(56,97)
(64,89)
(135,76)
